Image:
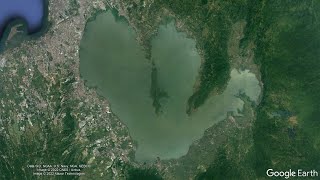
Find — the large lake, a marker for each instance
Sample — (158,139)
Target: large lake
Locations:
(113,61)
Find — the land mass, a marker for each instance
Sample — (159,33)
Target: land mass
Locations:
(48,115)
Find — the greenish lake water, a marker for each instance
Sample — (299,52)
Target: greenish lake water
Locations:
(113,61)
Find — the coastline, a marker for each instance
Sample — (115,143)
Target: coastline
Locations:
(23,34)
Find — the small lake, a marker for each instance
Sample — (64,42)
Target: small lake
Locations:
(150,96)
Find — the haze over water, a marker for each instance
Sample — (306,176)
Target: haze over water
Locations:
(112,60)
(31,11)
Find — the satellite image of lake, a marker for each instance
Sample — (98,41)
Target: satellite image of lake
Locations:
(111,60)
(159,90)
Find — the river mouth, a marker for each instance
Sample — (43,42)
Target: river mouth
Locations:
(150,95)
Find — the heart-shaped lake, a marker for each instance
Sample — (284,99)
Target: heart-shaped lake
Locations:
(150,96)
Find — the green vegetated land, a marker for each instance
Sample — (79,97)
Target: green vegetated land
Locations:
(287,38)
(221,168)
(286,131)
(143,174)
(34,139)
(39,122)
(287,35)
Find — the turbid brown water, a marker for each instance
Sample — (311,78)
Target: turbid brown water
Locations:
(112,60)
